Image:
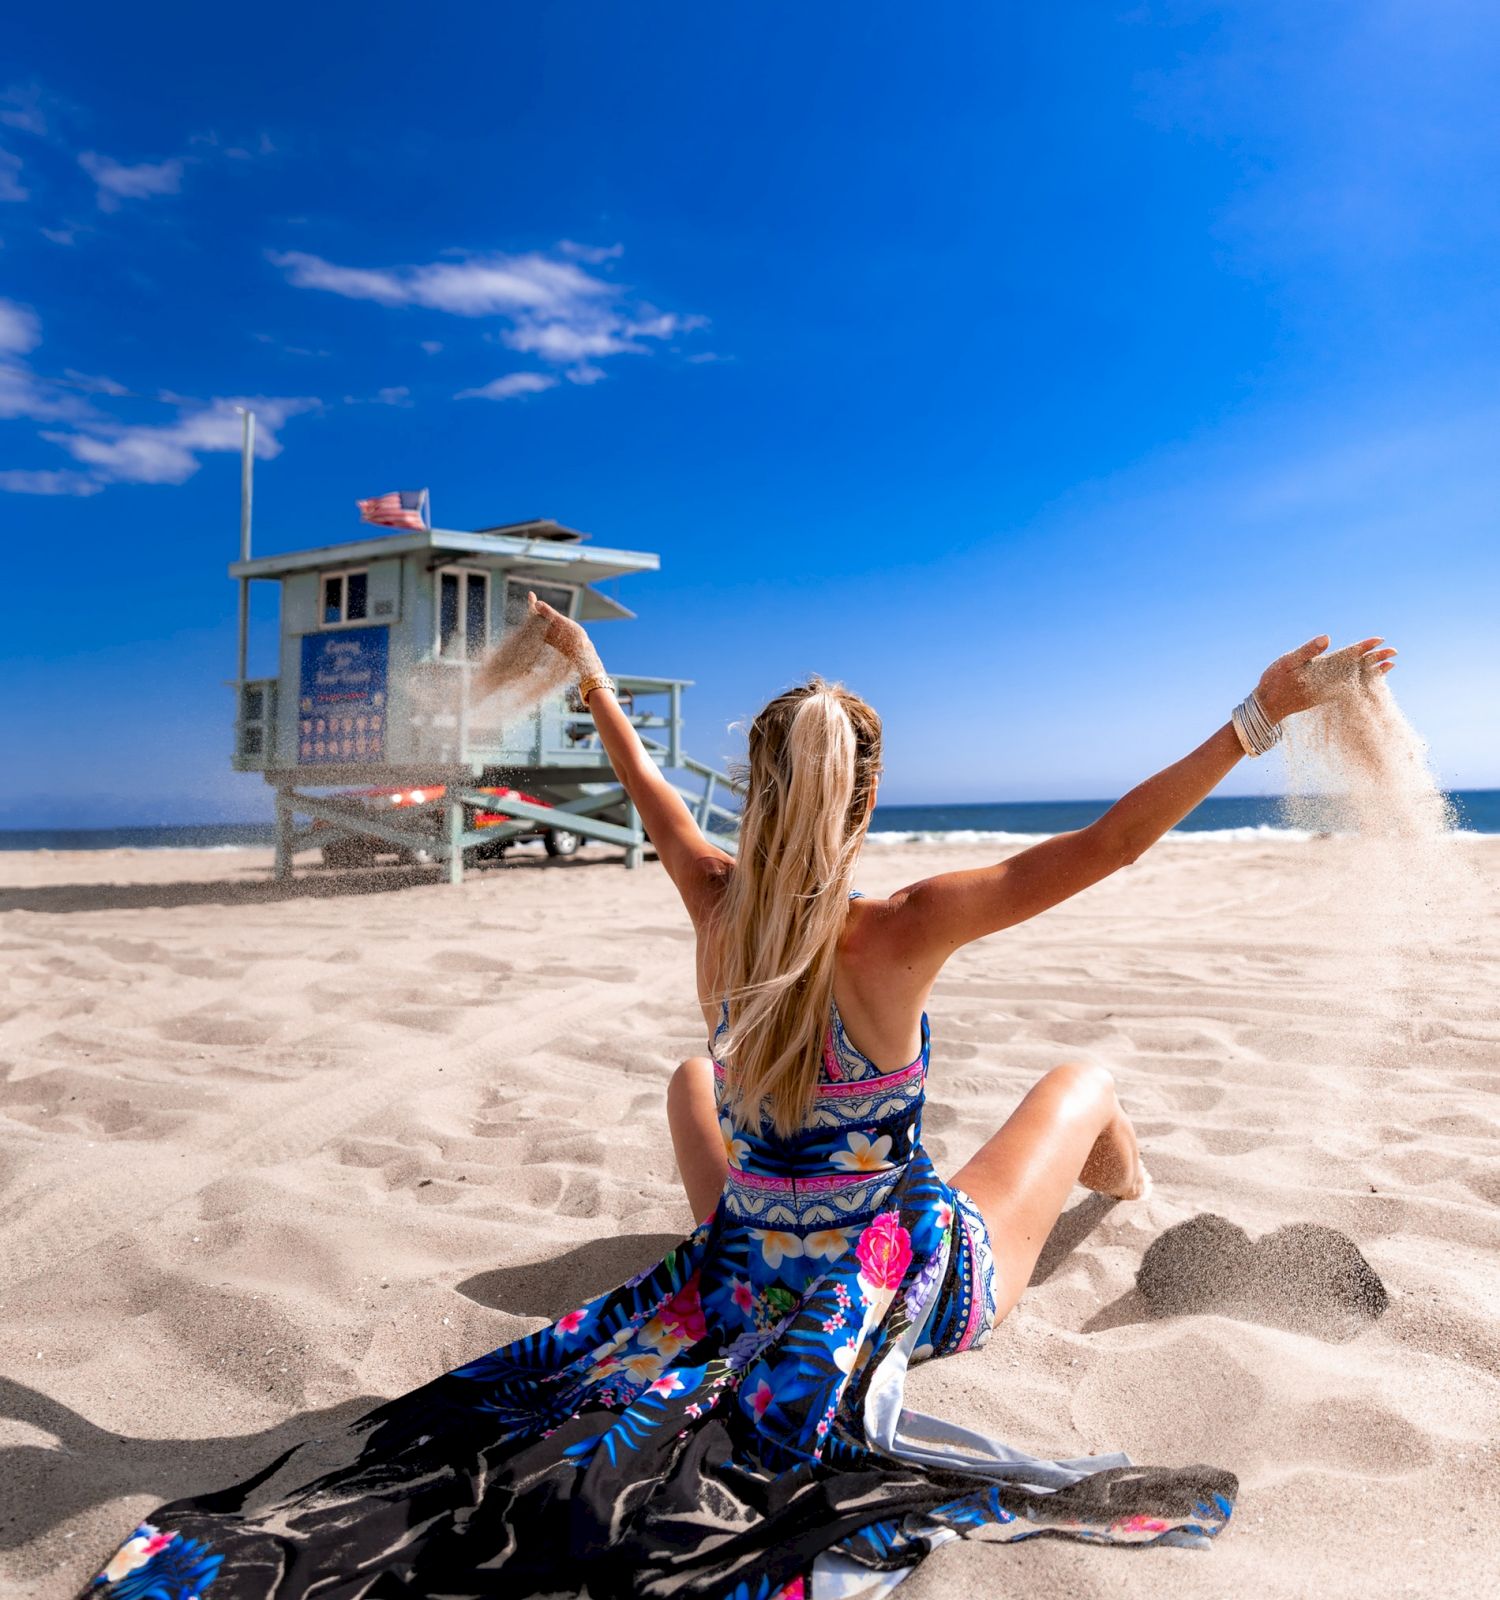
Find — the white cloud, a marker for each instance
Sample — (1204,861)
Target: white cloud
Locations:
(168,453)
(20,328)
(560,339)
(511,385)
(24,394)
(114,451)
(241,150)
(397,395)
(66,481)
(116,182)
(431,346)
(550,307)
(11,187)
(582,337)
(60,235)
(90,383)
(480,286)
(584,373)
(21,107)
(595,255)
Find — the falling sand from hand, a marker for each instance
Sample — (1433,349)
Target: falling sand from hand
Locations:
(521,672)
(1387,892)
(505,688)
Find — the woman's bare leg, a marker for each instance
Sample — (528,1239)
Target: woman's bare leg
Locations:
(694,1120)
(1069,1129)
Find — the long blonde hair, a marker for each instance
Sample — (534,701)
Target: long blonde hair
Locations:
(814,759)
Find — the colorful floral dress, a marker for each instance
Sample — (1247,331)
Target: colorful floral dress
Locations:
(728,1424)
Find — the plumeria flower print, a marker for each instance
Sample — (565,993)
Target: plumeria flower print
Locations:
(735,1148)
(644,1365)
(137,1550)
(776,1246)
(571,1323)
(863,1154)
(655,1333)
(844,1355)
(828,1244)
(667,1383)
(743,1295)
(760,1398)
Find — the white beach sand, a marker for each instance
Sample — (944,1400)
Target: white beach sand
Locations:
(264,1159)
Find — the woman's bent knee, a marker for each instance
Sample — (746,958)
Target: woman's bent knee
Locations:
(1086,1082)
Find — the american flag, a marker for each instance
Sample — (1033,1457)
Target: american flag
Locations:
(406,508)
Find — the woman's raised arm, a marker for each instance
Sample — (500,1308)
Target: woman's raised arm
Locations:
(934,917)
(694,865)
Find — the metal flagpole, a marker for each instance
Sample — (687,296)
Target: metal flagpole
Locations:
(247,470)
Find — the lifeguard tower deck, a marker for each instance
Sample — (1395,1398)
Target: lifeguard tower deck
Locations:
(372,698)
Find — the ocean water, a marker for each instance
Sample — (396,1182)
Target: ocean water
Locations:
(1224,817)
(1227,817)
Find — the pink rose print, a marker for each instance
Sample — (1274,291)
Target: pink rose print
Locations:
(683,1313)
(571,1323)
(884,1251)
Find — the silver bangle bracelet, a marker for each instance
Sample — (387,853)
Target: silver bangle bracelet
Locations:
(1253,728)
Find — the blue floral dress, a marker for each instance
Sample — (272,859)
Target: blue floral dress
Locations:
(727,1424)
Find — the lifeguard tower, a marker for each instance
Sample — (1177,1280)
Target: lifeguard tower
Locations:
(369,734)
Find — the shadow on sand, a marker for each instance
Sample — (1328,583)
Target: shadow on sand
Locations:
(551,1288)
(256,887)
(44,1485)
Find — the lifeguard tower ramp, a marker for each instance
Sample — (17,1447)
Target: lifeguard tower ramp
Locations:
(371,735)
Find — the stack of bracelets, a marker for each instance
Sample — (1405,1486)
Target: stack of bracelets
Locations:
(1255,730)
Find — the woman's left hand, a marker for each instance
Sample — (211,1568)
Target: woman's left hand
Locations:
(1306,677)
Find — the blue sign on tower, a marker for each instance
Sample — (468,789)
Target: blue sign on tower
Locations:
(341,704)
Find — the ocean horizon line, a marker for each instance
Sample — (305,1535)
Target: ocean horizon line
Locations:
(1220,818)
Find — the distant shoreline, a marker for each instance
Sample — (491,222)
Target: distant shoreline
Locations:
(1227,818)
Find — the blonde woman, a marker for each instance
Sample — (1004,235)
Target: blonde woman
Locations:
(730,1423)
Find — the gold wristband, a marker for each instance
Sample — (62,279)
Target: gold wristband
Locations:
(595,680)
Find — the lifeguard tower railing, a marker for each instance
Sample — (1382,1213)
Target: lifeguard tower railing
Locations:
(465,759)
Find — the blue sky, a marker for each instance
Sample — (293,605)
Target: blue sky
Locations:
(1039,371)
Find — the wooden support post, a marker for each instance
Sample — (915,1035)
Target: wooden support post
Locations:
(284,830)
(706,803)
(634,853)
(455,809)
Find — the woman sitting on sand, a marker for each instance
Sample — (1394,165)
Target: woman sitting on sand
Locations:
(730,1422)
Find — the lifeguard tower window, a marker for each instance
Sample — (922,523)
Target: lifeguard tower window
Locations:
(346,597)
(463,612)
(555,594)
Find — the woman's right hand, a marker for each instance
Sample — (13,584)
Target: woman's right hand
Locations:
(568,638)
(1306,677)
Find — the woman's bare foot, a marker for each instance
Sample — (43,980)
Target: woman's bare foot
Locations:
(1142,1187)
(1114,1166)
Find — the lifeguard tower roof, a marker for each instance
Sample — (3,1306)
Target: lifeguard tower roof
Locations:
(540,549)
